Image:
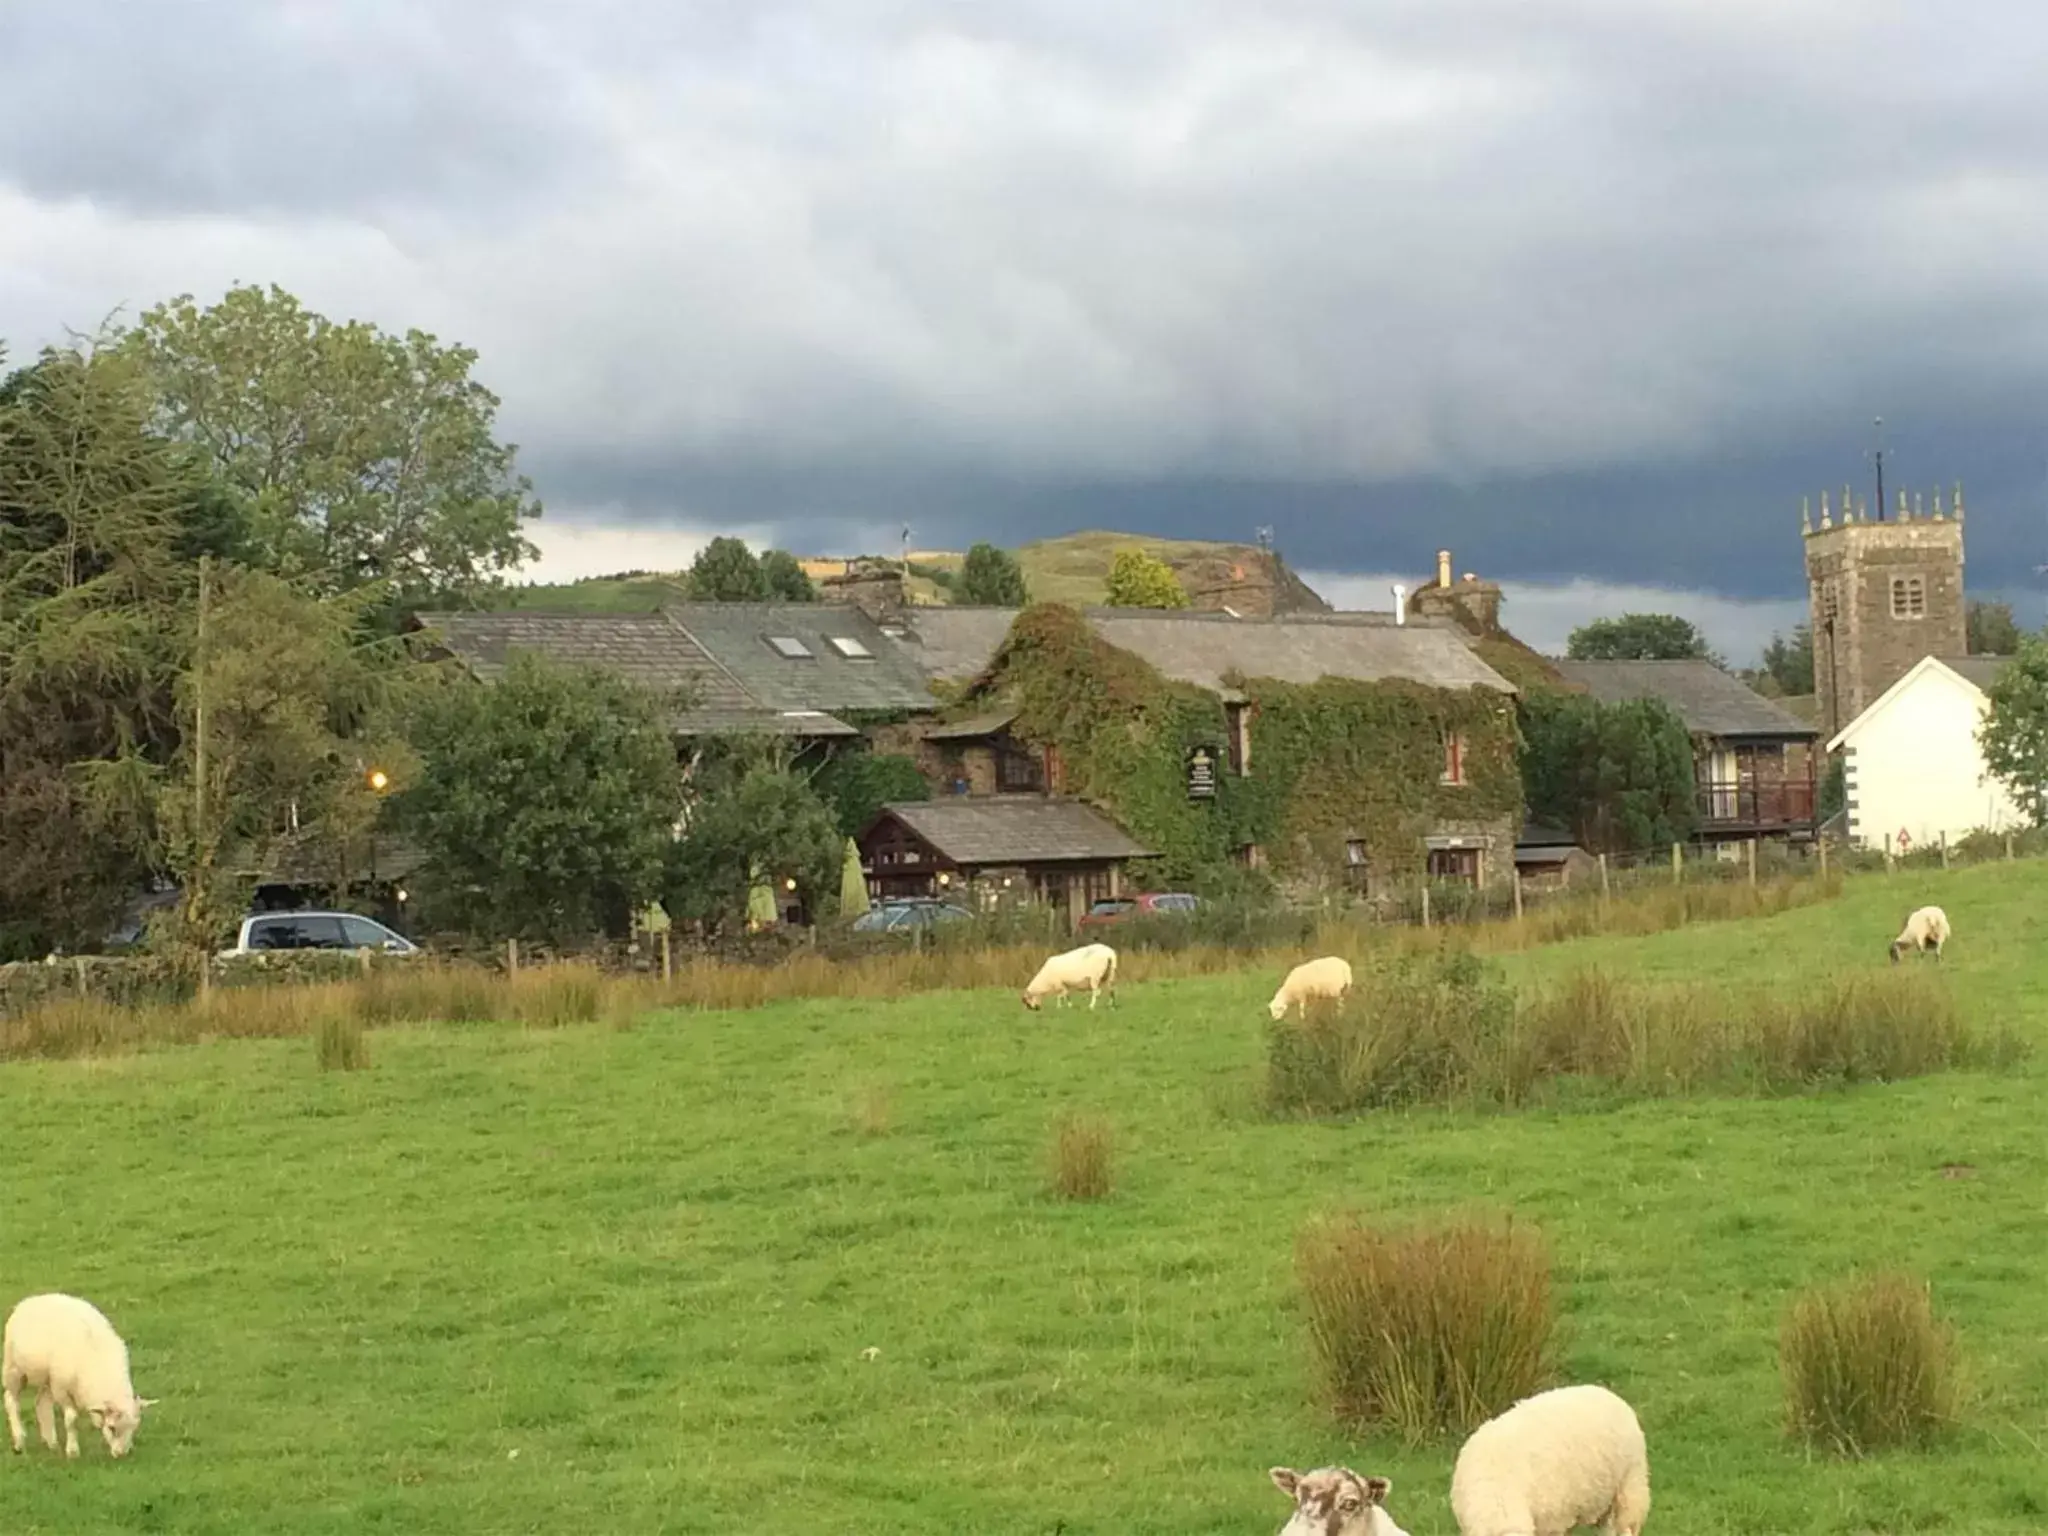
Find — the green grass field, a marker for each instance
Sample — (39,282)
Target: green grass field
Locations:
(798,1269)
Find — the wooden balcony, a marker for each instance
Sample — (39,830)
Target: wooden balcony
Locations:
(1756,805)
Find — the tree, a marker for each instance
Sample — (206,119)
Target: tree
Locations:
(1620,776)
(766,828)
(544,801)
(1139,580)
(93,508)
(356,456)
(286,705)
(1991,629)
(784,579)
(991,578)
(726,571)
(1789,662)
(1638,637)
(857,783)
(2013,735)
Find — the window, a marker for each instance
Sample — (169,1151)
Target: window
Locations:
(1909,597)
(364,934)
(1454,758)
(850,648)
(788,647)
(1018,770)
(298,932)
(1454,864)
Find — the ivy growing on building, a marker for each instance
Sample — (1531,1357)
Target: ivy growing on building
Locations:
(1330,762)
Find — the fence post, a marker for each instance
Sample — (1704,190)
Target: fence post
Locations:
(2008,846)
(1677,863)
(1944,848)
(1425,903)
(1518,895)
(1822,844)
(1603,877)
(84,986)
(668,971)
(1752,860)
(363,955)
(511,957)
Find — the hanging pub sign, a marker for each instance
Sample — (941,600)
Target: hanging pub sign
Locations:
(1201,773)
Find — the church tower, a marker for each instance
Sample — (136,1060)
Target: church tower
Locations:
(1882,595)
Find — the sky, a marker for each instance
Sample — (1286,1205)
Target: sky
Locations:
(1592,292)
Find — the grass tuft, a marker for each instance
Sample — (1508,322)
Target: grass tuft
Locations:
(1430,1329)
(873,1110)
(1082,1158)
(1450,1031)
(1867,1366)
(339,1044)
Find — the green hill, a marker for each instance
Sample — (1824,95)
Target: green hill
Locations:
(1070,569)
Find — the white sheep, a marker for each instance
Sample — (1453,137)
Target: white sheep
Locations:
(1926,929)
(1329,977)
(1336,1501)
(1567,1457)
(1092,966)
(67,1350)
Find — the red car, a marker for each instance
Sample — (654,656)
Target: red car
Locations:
(1117,908)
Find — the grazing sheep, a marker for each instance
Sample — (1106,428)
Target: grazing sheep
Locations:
(1336,1501)
(1092,966)
(1926,929)
(1329,977)
(67,1350)
(1567,1457)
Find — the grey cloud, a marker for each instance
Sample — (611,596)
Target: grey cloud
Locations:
(1587,287)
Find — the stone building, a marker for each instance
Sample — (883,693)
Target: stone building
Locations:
(1883,594)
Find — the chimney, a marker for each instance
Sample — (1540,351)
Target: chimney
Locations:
(1400,605)
(1443,567)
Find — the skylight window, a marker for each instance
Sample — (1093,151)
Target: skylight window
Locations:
(851,648)
(789,648)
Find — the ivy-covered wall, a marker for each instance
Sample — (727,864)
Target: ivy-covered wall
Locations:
(1329,761)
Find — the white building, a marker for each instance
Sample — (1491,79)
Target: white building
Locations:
(1911,764)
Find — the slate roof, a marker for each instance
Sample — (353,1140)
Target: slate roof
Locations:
(716,653)
(973,727)
(1710,702)
(886,680)
(1979,670)
(1021,830)
(1201,647)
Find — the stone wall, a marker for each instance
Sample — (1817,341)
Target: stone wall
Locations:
(1860,648)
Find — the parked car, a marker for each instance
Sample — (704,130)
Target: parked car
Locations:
(270,932)
(1116,908)
(896,913)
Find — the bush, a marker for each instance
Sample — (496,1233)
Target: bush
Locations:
(339,1044)
(1867,1365)
(1414,1029)
(1448,1030)
(1082,1148)
(1430,1329)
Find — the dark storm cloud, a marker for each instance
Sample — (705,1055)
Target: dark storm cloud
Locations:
(1588,287)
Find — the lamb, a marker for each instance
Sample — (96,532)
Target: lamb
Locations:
(1567,1457)
(67,1350)
(1329,977)
(1926,929)
(1092,966)
(1336,1501)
